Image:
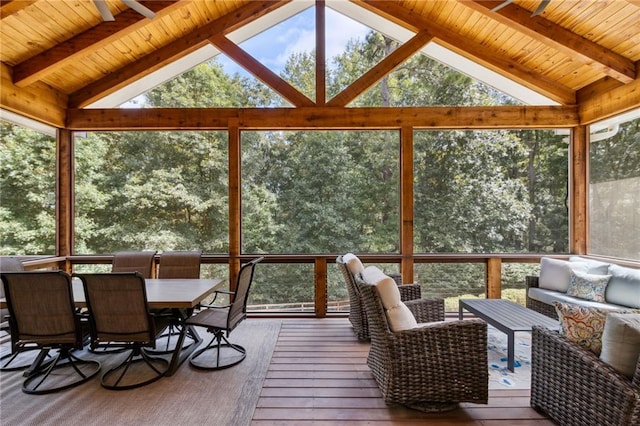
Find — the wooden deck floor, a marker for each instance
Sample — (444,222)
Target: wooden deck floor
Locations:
(318,375)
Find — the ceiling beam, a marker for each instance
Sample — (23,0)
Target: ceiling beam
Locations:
(384,67)
(261,72)
(170,53)
(8,7)
(472,50)
(505,117)
(38,67)
(559,38)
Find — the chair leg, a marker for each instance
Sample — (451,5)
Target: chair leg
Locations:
(218,343)
(17,360)
(115,378)
(83,371)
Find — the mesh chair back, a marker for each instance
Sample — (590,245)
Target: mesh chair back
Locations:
(41,308)
(134,261)
(117,304)
(179,264)
(238,308)
(8,264)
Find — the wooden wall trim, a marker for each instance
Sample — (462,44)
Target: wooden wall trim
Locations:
(498,117)
(611,103)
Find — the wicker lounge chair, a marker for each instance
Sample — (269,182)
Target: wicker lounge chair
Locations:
(574,387)
(357,314)
(428,368)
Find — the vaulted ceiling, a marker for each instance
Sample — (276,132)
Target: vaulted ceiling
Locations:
(58,56)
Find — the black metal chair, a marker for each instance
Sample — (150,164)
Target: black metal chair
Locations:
(175,265)
(43,316)
(221,320)
(119,317)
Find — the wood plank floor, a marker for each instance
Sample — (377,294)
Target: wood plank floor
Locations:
(318,375)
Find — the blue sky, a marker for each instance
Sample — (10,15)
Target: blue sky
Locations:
(272,47)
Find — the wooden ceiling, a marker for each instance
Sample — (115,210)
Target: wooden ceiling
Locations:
(60,56)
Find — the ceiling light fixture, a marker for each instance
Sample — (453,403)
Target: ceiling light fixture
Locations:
(543,4)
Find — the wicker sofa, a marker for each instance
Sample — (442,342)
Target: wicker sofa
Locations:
(575,388)
(622,289)
(350,265)
(427,367)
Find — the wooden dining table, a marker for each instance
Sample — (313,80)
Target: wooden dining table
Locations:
(181,295)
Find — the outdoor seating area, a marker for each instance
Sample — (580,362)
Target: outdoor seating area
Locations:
(320,212)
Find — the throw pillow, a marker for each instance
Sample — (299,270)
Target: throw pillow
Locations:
(621,342)
(354,265)
(398,314)
(555,274)
(588,286)
(582,325)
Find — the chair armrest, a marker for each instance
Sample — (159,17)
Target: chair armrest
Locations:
(410,292)
(531,281)
(426,310)
(572,385)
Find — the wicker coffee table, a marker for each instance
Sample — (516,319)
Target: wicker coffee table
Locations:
(508,317)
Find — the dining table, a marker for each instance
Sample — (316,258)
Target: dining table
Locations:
(181,295)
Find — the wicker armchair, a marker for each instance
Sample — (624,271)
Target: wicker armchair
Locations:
(572,386)
(543,308)
(429,368)
(357,315)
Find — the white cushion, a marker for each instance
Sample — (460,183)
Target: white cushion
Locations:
(593,266)
(354,265)
(555,274)
(621,342)
(398,315)
(624,286)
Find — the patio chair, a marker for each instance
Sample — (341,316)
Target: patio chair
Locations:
(119,317)
(134,261)
(427,367)
(350,265)
(172,265)
(10,264)
(221,320)
(43,316)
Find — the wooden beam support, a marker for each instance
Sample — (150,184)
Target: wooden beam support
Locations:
(395,12)
(64,193)
(261,72)
(531,117)
(235,201)
(613,102)
(579,190)
(320,287)
(406,204)
(561,39)
(384,67)
(494,278)
(8,8)
(38,101)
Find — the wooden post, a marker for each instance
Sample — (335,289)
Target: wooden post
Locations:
(406,203)
(64,194)
(235,202)
(320,287)
(579,187)
(494,278)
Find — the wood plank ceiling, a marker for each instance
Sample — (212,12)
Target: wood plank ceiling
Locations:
(59,56)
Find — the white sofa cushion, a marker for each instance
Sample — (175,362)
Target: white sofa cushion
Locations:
(593,266)
(621,342)
(549,296)
(398,315)
(624,286)
(354,265)
(555,274)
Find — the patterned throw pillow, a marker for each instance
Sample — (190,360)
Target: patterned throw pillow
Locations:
(582,325)
(588,286)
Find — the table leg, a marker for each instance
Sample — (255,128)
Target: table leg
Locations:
(510,351)
(180,354)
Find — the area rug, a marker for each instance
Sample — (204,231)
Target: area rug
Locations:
(499,376)
(224,397)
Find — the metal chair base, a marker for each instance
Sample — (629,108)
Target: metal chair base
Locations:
(40,381)
(119,377)
(226,354)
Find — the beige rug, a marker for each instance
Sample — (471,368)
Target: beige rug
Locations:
(225,397)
